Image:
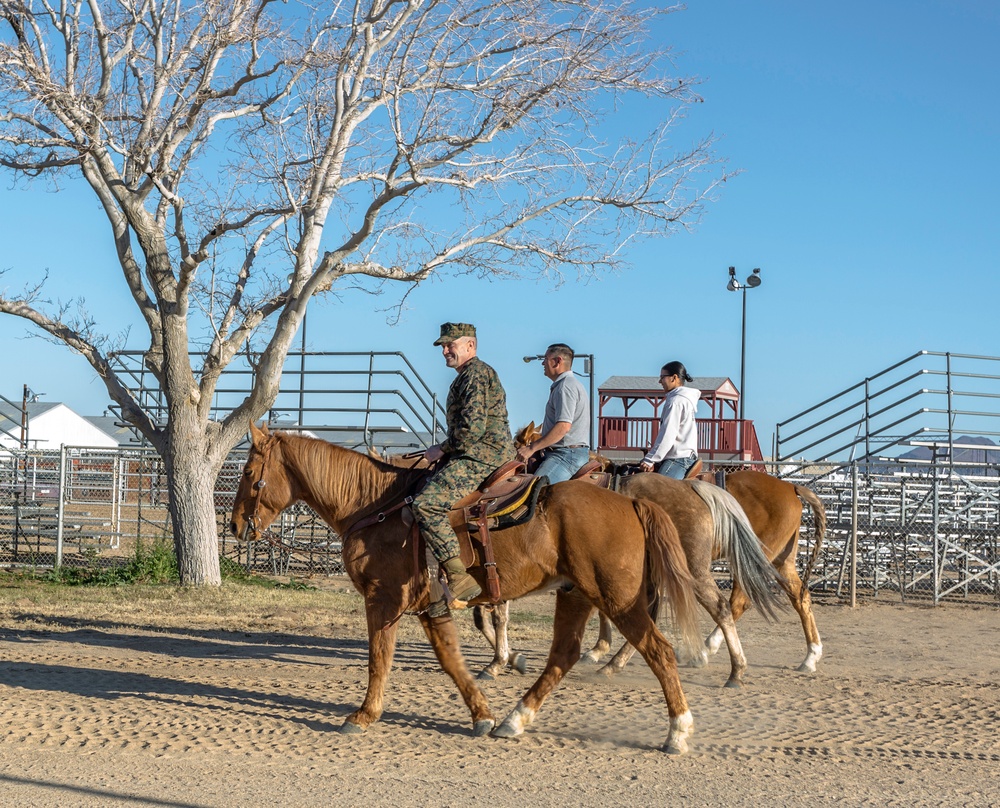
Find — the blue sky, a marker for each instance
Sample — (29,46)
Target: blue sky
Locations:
(867,138)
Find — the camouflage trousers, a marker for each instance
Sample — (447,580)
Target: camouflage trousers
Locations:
(459,477)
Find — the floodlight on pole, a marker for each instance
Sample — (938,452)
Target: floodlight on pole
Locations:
(752,282)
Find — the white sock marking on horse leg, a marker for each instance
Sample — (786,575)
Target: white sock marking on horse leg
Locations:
(815,655)
(714,640)
(681,728)
(519,719)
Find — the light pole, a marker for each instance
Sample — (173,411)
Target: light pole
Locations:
(29,397)
(302,360)
(588,370)
(753,281)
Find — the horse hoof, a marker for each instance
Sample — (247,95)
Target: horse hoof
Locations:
(734,684)
(486,676)
(593,659)
(505,730)
(520,664)
(483,727)
(804,668)
(350,728)
(675,749)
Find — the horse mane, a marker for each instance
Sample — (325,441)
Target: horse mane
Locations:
(347,475)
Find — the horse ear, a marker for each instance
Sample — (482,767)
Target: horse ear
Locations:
(258,435)
(521,436)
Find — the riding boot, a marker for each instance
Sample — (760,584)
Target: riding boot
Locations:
(438,607)
(463,587)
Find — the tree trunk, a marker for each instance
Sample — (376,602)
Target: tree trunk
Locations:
(191,476)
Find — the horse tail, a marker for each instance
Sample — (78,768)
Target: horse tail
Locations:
(667,570)
(819,523)
(736,541)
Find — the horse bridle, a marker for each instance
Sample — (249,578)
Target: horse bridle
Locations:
(253,521)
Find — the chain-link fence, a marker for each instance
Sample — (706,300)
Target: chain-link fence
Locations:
(90,507)
(895,529)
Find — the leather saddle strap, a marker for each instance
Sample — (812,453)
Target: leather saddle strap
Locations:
(375,518)
(489,562)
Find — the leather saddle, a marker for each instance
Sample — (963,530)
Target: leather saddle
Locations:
(508,497)
(593,472)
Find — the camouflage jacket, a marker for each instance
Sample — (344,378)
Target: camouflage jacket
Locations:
(478,426)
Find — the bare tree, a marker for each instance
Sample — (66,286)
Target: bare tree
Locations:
(250,154)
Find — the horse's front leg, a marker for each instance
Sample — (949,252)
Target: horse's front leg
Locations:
(381,647)
(618,661)
(501,622)
(444,640)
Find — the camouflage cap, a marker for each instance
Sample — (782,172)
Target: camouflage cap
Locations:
(452,331)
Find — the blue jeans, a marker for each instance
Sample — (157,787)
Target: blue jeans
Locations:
(562,462)
(676,467)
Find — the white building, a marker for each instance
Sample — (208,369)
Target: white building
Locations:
(50,426)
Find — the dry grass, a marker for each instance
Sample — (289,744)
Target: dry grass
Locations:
(31,603)
(329,607)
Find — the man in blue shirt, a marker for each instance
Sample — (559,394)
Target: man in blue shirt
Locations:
(565,440)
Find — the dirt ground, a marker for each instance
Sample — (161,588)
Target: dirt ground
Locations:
(105,710)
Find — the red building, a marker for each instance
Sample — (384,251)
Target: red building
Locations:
(629,419)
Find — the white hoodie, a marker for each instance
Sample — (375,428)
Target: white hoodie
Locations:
(678,435)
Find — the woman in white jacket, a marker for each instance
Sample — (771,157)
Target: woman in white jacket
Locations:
(676,446)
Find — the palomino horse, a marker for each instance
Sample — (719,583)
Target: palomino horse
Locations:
(711,523)
(612,549)
(774,508)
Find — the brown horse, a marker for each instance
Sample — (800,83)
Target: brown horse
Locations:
(710,523)
(612,549)
(495,631)
(774,508)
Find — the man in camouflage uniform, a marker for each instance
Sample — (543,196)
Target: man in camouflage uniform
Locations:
(479,440)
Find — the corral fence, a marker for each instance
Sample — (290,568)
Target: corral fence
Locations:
(93,507)
(896,529)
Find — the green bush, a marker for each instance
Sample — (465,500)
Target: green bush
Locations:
(157,564)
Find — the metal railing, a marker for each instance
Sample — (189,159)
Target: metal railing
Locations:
(319,389)
(903,530)
(926,397)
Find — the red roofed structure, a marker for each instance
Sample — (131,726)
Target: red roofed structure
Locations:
(722,436)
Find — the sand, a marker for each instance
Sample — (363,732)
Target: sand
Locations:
(904,710)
